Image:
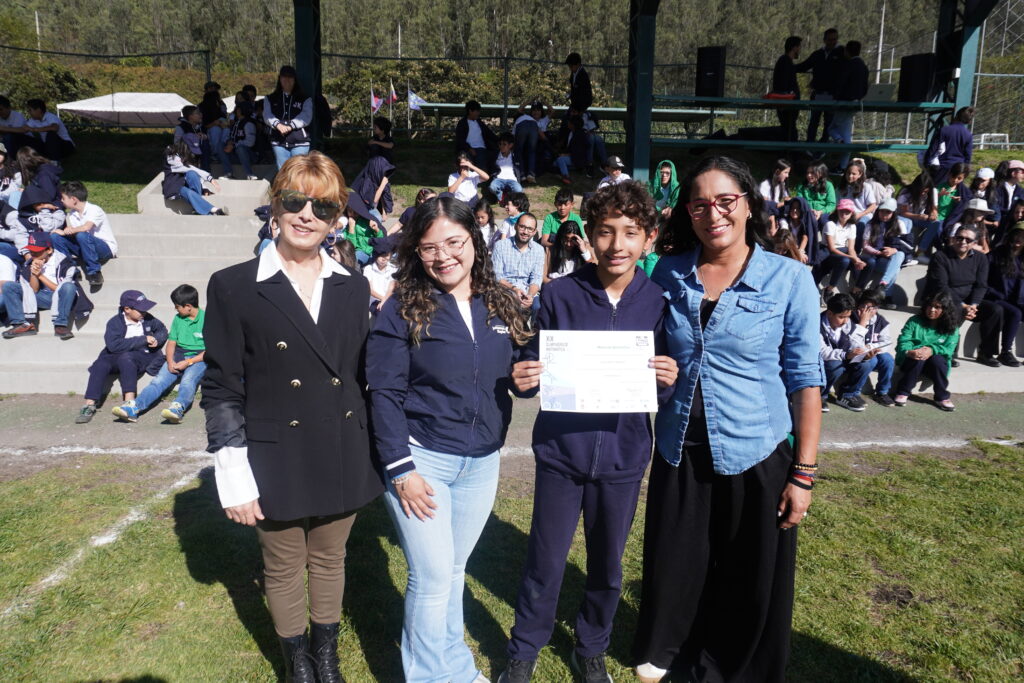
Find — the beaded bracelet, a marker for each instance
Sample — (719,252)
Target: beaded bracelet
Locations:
(805,466)
(397,481)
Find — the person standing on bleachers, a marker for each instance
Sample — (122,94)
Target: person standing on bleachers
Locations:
(851,85)
(954,144)
(784,82)
(288,112)
(581,93)
(823,64)
(475,139)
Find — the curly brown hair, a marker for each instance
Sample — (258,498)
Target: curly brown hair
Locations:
(416,291)
(629,199)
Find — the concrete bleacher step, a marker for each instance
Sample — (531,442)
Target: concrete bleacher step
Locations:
(238,197)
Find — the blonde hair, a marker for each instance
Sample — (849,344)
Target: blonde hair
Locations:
(315,174)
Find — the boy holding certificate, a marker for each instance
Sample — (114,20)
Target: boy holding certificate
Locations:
(589,462)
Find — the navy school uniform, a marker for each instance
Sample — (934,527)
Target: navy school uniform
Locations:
(126,357)
(587,462)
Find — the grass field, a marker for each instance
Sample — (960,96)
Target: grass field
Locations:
(910,568)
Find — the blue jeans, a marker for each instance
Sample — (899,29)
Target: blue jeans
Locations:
(219,138)
(929,231)
(362,258)
(13,303)
(527,134)
(165,379)
(283,154)
(93,251)
(884,364)
(841,130)
(835,266)
(564,164)
(193,194)
(856,375)
(499,185)
(244,156)
(887,267)
(597,152)
(434,648)
(65,302)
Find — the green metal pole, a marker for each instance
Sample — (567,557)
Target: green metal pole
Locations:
(640,86)
(504,108)
(307,56)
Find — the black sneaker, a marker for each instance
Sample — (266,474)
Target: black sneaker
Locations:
(85,414)
(1008,359)
(985,359)
(517,671)
(94,279)
(854,403)
(591,669)
(824,405)
(954,363)
(885,400)
(889,304)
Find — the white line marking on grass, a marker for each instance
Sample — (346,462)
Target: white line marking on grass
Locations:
(93,450)
(106,537)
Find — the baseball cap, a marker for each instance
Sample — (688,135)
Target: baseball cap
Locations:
(614,162)
(888,205)
(846,205)
(986,173)
(39,241)
(133,298)
(3,148)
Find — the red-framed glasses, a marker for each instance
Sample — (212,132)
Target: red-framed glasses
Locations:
(725,203)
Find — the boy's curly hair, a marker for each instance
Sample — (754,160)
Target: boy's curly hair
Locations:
(629,199)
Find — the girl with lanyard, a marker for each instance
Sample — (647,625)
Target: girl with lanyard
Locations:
(438,363)
(737,444)
(285,410)
(288,112)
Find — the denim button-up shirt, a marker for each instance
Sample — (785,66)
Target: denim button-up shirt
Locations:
(760,345)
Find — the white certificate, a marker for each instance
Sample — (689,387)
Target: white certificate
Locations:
(597,372)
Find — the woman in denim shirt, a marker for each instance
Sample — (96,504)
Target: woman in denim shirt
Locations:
(729,488)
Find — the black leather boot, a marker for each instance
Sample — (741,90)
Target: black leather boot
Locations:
(298,662)
(324,639)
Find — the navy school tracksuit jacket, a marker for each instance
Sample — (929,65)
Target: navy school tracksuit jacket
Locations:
(611,447)
(115,341)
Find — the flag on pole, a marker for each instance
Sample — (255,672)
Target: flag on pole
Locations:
(415,101)
(375,102)
(393,97)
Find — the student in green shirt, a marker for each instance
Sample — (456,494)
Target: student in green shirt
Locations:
(926,345)
(819,191)
(185,350)
(664,187)
(564,200)
(952,193)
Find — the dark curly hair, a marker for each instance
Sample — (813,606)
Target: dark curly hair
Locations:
(679,236)
(629,199)
(949,321)
(416,291)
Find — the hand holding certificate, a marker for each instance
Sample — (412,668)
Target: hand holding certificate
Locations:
(598,372)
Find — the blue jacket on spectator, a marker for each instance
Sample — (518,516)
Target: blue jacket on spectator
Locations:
(450,392)
(115,341)
(44,188)
(613,447)
(1002,288)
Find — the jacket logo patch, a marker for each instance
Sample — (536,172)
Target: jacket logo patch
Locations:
(500,329)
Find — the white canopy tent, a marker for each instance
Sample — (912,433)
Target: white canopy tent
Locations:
(131,109)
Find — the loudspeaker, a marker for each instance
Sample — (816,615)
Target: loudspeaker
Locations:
(710,80)
(917,78)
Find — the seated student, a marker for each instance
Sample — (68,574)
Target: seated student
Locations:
(39,205)
(464,181)
(506,182)
(10,176)
(422,195)
(564,200)
(573,147)
(982,187)
(784,244)
(12,127)
(854,186)
(529,134)
(1006,289)
(361,228)
(519,262)
(589,463)
(975,213)
(918,208)
(597,154)
(774,188)
(1010,218)
(953,195)
(132,343)
(926,345)
(614,168)
(879,343)
(241,140)
(664,187)
(963,273)
(484,215)
(880,178)
(47,127)
(87,235)
(884,251)
(568,253)
(1008,177)
(474,139)
(381,143)
(46,280)
(215,124)
(518,204)
(381,276)
(183,179)
(840,238)
(190,130)
(842,349)
(818,190)
(373,184)
(344,253)
(799,220)
(184,360)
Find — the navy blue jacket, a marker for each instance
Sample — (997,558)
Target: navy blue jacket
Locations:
(1002,288)
(959,145)
(851,80)
(614,447)
(115,341)
(369,179)
(450,393)
(462,135)
(44,188)
(823,65)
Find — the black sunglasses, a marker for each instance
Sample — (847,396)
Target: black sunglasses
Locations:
(294,201)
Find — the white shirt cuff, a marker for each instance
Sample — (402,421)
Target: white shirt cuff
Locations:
(235,483)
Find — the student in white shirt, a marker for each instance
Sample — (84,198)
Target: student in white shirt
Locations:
(840,239)
(56,141)
(505,183)
(463,182)
(380,274)
(614,167)
(87,234)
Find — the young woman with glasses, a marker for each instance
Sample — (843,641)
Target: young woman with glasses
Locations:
(286,412)
(728,485)
(438,365)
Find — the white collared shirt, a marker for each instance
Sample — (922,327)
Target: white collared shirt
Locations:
(270,264)
(132,328)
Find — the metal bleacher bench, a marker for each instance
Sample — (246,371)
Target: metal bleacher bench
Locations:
(714,103)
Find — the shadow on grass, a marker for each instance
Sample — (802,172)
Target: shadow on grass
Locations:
(812,659)
(145,678)
(218,550)
(129,158)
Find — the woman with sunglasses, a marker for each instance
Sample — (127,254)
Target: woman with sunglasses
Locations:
(730,483)
(285,409)
(438,363)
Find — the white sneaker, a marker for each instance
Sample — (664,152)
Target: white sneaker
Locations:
(911,262)
(252,177)
(648,673)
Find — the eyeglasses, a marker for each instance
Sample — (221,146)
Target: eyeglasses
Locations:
(725,203)
(293,201)
(965,240)
(453,246)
